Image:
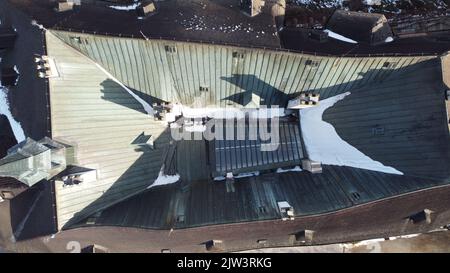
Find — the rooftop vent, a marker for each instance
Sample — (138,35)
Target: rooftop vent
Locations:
(252,7)
(286,210)
(355,196)
(7,37)
(305,236)
(144,140)
(181,218)
(146,8)
(304,100)
(262,209)
(238,55)
(389,65)
(311,166)
(312,63)
(74,175)
(378,131)
(262,241)
(204,88)
(422,216)
(46,67)
(170,49)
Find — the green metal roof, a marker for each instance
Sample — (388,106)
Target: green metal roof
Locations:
(101,119)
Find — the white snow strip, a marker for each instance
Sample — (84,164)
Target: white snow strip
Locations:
(378,240)
(242,175)
(339,37)
(129,7)
(219,178)
(4,110)
(225,113)
(144,104)
(295,169)
(164,179)
(323,144)
(408,236)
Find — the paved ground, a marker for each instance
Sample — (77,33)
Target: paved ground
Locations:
(434,242)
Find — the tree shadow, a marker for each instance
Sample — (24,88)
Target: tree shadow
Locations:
(109,90)
(251,84)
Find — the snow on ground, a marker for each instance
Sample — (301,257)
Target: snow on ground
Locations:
(323,144)
(164,179)
(4,110)
(144,104)
(389,39)
(339,37)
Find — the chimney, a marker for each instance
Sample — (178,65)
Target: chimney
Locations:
(64,5)
(305,236)
(252,7)
(311,166)
(146,8)
(421,216)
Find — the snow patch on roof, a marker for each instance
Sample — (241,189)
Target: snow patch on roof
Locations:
(295,169)
(323,144)
(129,7)
(164,179)
(144,104)
(339,37)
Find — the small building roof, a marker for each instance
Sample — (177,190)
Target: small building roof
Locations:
(357,26)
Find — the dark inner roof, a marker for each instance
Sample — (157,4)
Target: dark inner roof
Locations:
(401,122)
(255,198)
(216,21)
(354,25)
(432,43)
